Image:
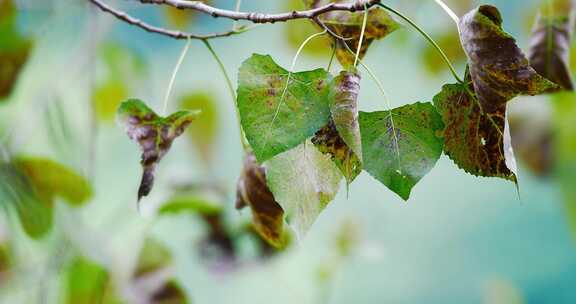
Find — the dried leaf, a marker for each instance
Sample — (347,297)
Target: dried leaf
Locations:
(267,214)
(349,25)
(478,142)
(550,48)
(275,116)
(340,138)
(154,135)
(402,146)
(498,68)
(303,181)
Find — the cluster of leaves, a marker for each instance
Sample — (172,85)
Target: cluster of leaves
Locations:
(305,132)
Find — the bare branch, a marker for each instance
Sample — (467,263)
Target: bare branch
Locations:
(358,5)
(166,32)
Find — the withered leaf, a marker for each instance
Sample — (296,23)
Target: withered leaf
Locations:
(498,68)
(550,48)
(340,138)
(349,25)
(154,135)
(478,142)
(267,215)
(402,145)
(279,110)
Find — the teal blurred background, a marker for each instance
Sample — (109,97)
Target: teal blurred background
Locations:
(459,239)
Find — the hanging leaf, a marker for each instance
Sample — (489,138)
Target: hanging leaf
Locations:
(267,214)
(14,49)
(153,133)
(498,68)
(275,115)
(478,142)
(303,181)
(204,131)
(401,146)
(340,138)
(30,185)
(550,48)
(349,25)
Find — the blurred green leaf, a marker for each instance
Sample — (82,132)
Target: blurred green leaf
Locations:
(204,131)
(153,257)
(107,97)
(296,32)
(303,181)
(340,138)
(88,282)
(154,135)
(448,41)
(181,18)
(14,49)
(190,203)
(275,116)
(400,147)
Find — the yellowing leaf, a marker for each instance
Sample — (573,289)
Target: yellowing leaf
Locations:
(204,131)
(107,97)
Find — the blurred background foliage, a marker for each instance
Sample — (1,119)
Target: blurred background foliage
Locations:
(70,231)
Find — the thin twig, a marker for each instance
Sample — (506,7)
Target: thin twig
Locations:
(159,30)
(358,5)
(173,78)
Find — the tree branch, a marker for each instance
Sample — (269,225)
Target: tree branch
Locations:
(166,32)
(358,5)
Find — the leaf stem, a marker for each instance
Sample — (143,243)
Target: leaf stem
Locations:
(230,89)
(173,78)
(359,47)
(428,38)
(448,11)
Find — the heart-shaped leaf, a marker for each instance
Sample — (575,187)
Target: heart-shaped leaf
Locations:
(550,48)
(478,142)
(267,215)
(340,138)
(278,111)
(402,145)
(498,68)
(303,181)
(379,24)
(154,135)
(31,185)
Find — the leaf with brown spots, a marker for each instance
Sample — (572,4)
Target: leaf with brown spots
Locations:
(402,145)
(379,24)
(267,215)
(498,68)
(340,138)
(280,110)
(478,142)
(550,47)
(153,133)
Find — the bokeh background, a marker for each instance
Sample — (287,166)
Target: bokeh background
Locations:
(459,239)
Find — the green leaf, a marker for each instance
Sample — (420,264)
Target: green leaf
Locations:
(303,181)
(340,138)
(564,122)
(275,115)
(30,185)
(153,133)
(204,131)
(478,142)
(88,282)
(401,146)
(349,25)
(106,98)
(190,203)
(550,47)
(498,68)
(153,257)
(267,215)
